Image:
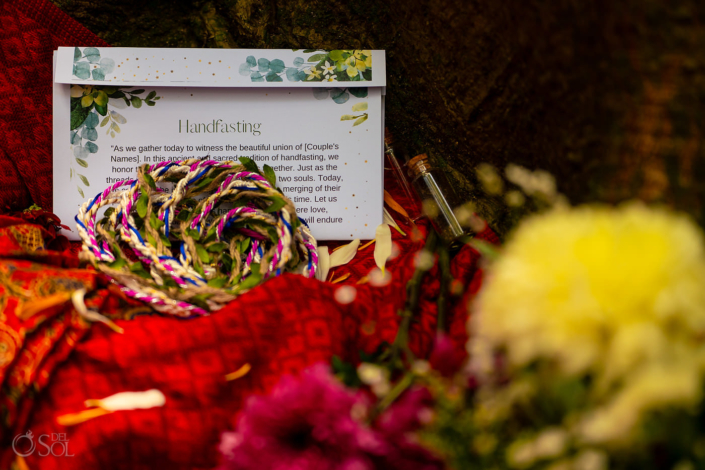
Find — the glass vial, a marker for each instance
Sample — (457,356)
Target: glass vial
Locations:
(393,153)
(438,197)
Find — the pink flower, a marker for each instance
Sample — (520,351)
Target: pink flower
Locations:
(445,358)
(314,422)
(308,422)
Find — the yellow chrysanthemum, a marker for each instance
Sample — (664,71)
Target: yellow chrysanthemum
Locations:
(618,294)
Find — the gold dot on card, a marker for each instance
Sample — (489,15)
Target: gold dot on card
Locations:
(219,61)
(209,63)
(199,60)
(214,75)
(137,58)
(365,161)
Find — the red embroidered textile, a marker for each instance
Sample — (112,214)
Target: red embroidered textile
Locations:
(30,30)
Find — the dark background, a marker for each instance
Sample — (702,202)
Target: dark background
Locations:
(606,95)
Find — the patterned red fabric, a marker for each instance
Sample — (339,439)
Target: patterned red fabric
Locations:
(30,30)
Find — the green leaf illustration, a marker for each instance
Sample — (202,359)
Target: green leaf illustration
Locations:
(91,121)
(78,115)
(77,54)
(277,66)
(358,92)
(337,56)
(80,191)
(98,74)
(105,120)
(136,92)
(339,95)
(292,75)
(75,138)
(90,134)
(102,110)
(87,101)
(151,95)
(117,117)
(360,121)
(321,93)
(251,61)
(317,58)
(136,101)
(263,65)
(80,152)
(92,54)
(308,51)
(82,70)
(347,117)
(84,179)
(107,65)
(360,107)
(245,69)
(273,77)
(101,98)
(298,62)
(83,163)
(91,147)
(257,77)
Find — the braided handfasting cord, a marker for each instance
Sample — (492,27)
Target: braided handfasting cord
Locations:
(223,229)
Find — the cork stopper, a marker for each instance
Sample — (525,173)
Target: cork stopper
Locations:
(419,164)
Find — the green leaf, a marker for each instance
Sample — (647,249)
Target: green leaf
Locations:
(218,282)
(317,57)
(82,70)
(142,205)
(150,181)
(249,164)
(75,138)
(273,77)
(298,62)
(347,117)
(193,233)
(257,77)
(105,120)
(150,103)
(202,253)
(183,215)
(91,147)
(77,54)
(360,107)
(270,175)
(135,92)
(253,279)
(136,101)
(83,163)
(151,95)
(80,191)
(244,245)
(80,152)
(308,51)
(118,263)
(245,69)
(277,204)
(84,179)
(358,92)
(138,269)
(98,74)
(251,61)
(360,120)
(217,247)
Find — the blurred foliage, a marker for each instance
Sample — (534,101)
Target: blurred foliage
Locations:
(607,96)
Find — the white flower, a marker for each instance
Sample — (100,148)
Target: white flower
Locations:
(330,78)
(328,69)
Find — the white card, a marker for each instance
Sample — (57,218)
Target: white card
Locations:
(324,142)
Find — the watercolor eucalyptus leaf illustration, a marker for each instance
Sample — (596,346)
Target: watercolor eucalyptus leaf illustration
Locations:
(322,66)
(91,110)
(88,64)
